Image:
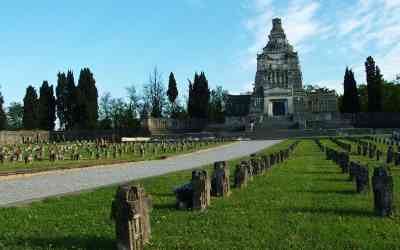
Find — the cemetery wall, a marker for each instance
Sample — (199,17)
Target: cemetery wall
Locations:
(110,135)
(23,136)
(377,120)
(160,126)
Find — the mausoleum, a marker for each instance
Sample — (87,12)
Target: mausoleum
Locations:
(278,92)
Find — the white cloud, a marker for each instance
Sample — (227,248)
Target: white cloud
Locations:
(372,27)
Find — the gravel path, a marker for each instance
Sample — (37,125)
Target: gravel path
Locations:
(36,187)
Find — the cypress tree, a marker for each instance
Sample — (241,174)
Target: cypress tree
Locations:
(346,102)
(61,99)
(47,107)
(87,100)
(379,90)
(3,117)
(204,96)
(190,105)
(350,101)
(172,93)
(355,101)
(374,86)
(31,109)
(70,97)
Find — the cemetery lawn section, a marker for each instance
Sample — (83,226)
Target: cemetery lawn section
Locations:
(87,161)
(303,203)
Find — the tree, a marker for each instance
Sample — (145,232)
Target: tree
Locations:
(15,116)
(61,99)
(350,102)
(3,117)
(154,94)
(70,97)
(374,86)
(134,100)
(105,111)
(216,106)
(199,97)
(31,109)
(47,107)
(172,94)
(87,111)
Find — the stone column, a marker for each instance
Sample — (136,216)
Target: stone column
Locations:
(130,210)
(220,182)
(241,176)
(362,180)
(382,184)
(201,189)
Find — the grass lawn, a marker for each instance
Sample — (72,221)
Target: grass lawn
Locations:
(46,165)
(304,203)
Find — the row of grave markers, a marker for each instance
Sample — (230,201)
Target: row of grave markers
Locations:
(29,153)
(196,194)
(131,206)
(382,181)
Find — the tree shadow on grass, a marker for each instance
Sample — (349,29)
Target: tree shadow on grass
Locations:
(163,194)
(165,206)
(343,192)
(70,242)
(318,172)
(334,180)
(334,211)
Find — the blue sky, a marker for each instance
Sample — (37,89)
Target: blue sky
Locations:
(122,41)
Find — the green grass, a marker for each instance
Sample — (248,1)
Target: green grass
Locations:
(46,165)
(304,203)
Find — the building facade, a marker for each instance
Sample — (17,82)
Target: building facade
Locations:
(278,89)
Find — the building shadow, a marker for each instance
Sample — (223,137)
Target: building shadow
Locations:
(70,242)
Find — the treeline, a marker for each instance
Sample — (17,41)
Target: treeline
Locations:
(78,106)
(378,95)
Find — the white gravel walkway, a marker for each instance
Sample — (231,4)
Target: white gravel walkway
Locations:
(36,187)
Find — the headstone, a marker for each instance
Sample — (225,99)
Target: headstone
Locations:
(353,171)
(382,185)
(241,176)
(396,158)
(362,179)
(130,210)
(389,157)
(378,155)
(201,189)
(184,196)
(220,182)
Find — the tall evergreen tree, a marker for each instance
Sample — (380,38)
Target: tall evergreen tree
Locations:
(374,86)
(172,94)
(192,96)
(87,100)
(346,92)
(31,109)
(199,97)
(350,101)
(71,102)
(61,99)
(355,100)
(203,94)
(3,117)
(47,107)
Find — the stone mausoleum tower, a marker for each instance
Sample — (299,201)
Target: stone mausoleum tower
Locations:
(278,77)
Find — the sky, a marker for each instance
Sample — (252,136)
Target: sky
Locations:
(123,41)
